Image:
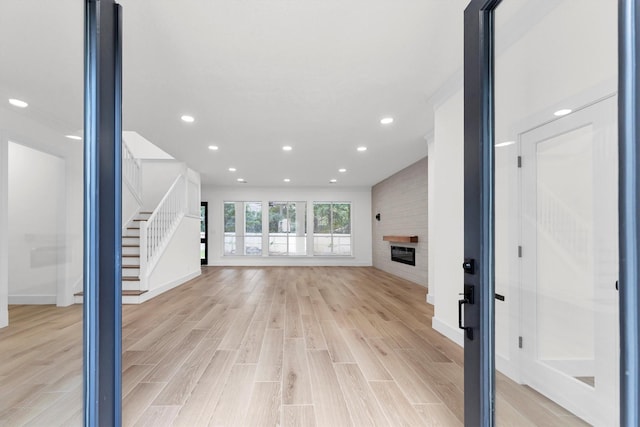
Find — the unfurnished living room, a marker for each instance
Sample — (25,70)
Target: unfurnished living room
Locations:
(286,197)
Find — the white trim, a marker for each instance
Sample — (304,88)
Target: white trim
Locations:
(454,334)
(4,230)
(32,299)
(288,261)
(449,88)
(508,368)
(431,299)
(573,367)
(154,292)
(162,288)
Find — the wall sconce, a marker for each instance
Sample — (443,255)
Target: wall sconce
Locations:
(378,216)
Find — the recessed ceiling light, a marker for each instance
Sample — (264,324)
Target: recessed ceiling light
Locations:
(232,169)
(74,137)
(342,170)
(18,103)
(213,147)
(241,180)
(362,148)
(287,148)
(188,119)
(562,112)
(387,120)
(286,180)
(504,144)
(333,181)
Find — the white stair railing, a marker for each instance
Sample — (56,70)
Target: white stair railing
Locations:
(132,172)
(157,230)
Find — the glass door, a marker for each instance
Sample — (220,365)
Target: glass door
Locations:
(541,304)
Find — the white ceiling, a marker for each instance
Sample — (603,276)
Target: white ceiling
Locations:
(256,75)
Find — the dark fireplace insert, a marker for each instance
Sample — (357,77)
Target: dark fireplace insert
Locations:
(403,254)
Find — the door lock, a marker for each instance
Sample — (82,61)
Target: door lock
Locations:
(469,266)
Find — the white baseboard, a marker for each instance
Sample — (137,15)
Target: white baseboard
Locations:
(32,299)
(288,261)
(165,287)
(574,367)
(454,334)
(139,299)
(431,299)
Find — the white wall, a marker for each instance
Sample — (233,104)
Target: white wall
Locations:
(567,60)
(43,138)
(4,231)
(360,199)
(141,148)
(181,259)
(401,201)
(157,177)
(447,229)
(36,225)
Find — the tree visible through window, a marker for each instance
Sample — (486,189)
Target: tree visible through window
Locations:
(242,228)
(287,228)
(331,228)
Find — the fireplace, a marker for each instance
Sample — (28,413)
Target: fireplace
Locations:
(403,254)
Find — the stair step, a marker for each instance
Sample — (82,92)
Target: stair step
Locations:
(130,279)
(124,293)
(131,246)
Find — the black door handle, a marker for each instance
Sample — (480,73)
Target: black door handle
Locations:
(468,299)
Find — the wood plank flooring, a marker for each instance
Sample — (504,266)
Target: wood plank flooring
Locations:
(309,346)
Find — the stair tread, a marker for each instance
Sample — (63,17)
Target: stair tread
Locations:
(130,246)
(124,293)
(130,266)
(130,279)
(130,256)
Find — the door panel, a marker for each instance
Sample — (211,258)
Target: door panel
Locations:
(569,229)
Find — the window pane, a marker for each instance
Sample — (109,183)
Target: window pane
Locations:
(341,218)
(278,222)
(287,228)
(253,217)
(230,244)
(322,218)
(278,244)
(229,217)
(322,244)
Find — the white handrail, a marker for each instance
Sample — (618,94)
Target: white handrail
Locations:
(132,172)
(161,224)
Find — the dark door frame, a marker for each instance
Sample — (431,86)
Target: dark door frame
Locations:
(479,314)
(479,286)
(205,240)
(102,283)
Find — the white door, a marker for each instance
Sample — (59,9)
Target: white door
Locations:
(569,262)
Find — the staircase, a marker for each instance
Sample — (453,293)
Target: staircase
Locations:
(130,260)
(131,255)
(146,235)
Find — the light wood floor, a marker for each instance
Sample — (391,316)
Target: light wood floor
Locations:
(260,347)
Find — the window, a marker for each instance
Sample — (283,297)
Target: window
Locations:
(242,228)
(331,228)
(287,228)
